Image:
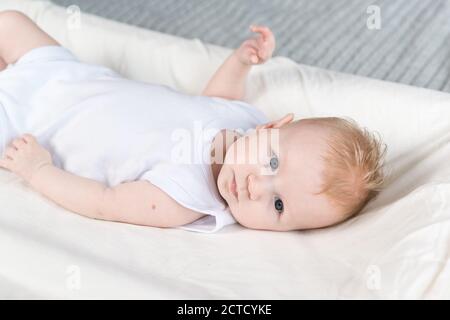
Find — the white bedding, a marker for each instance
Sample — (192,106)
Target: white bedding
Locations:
(399,247)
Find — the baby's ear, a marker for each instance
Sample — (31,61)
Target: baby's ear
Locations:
(277,123)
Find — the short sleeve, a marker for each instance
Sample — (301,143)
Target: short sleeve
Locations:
(210,223)
(258,116)
(45,54)
(237,114)
(171,182)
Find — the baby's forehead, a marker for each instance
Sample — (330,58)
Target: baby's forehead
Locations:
(298,146)
(305,141)
(301,155)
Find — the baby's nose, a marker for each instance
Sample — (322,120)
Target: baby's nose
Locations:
(258,186)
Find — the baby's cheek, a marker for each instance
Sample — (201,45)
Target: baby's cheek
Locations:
(249,212)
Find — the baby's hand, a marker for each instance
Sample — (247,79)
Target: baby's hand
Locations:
(257,50)
(24,156)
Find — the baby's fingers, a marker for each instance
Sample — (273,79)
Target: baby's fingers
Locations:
(5,163)
(18,143)
(265,32)
(250,48)
(265,41)
(253,55)
(263,50)
(28,138)
(266,35)
(10,152)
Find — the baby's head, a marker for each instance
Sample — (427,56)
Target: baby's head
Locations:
(306,174)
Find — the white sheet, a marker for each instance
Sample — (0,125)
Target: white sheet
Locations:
(399,248)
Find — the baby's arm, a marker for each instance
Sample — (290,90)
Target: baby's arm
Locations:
(18,35)
(137,202)
(229,80)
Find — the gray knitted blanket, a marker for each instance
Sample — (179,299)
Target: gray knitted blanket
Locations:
(408,44)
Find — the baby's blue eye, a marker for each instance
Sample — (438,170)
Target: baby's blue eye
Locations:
(274,163)
(279,205)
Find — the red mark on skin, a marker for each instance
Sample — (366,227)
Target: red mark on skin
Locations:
(153,207)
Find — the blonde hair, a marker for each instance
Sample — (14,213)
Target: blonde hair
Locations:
(353,173)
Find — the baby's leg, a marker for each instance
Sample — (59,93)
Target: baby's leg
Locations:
(18,35)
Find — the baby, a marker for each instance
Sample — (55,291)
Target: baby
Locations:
(115,149)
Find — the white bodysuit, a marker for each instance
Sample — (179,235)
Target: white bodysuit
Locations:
(99,125)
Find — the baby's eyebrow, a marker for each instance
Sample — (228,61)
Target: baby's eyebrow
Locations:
(273,153)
